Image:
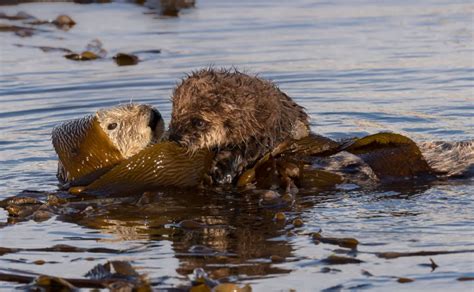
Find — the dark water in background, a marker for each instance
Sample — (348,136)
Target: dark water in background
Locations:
(357,66)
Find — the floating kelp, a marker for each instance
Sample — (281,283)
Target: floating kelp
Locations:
(281,169)
(390,156)
(190,224)
(277,259)
(94,50)
(156,51)
(286,165)
(21,15)
(123,59)
(298,222)
(394,255)
(18,30)
(114,275)
(318,179)
(63,22)
(119,274)
(311,145)
(340,260)
(168,8)
(84,56)
(60,248)
(163,164)
(201,282)
(46,49)
(348,242)
(280,217)
(403,280)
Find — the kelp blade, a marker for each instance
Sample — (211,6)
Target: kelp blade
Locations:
(162,165)
(390,156)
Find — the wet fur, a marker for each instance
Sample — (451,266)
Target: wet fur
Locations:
(451,159)
(241,117)
(132,133)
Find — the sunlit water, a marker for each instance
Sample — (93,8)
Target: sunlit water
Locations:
(358,67)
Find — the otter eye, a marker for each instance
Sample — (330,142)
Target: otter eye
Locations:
(111,126)
(198,123)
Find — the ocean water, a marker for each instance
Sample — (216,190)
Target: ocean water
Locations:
(359,67)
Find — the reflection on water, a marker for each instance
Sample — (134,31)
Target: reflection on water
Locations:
(358,67)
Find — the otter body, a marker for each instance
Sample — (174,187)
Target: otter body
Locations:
(90,146)
(237,116)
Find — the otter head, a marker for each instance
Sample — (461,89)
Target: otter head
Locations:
(131,127)
(216,109)
(89,146)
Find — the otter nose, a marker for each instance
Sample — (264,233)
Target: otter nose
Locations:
(155,118)
(175,137)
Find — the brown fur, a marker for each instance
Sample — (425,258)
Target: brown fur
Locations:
(226,111)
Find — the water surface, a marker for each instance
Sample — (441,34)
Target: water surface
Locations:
(359,67)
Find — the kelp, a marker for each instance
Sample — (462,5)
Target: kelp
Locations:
(63,21)
(394,255)
(390,156)
(163,164)
(21,15)
(114,275)
(340,260)
(123,59)
(347,242)
(94,50)
(93,153)
(18,30)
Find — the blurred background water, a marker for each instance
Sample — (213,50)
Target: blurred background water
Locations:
(358,67)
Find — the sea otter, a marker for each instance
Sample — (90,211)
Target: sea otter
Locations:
(241,118)
(237,116)
(90,146)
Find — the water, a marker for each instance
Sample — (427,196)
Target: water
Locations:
(358,67)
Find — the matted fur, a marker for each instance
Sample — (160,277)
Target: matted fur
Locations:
(450,158)
(222,109)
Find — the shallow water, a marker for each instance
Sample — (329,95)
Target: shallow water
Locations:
(358,67)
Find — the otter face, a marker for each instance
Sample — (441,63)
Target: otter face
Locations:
(206,120)
(97,142)
(200,129)
(131,127)
(213,110)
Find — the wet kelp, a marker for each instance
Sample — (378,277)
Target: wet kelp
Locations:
(94,50)
(166,8)
(62,21)
(168,165)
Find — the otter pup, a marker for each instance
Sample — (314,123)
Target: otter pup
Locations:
(89,146)
(239,117)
